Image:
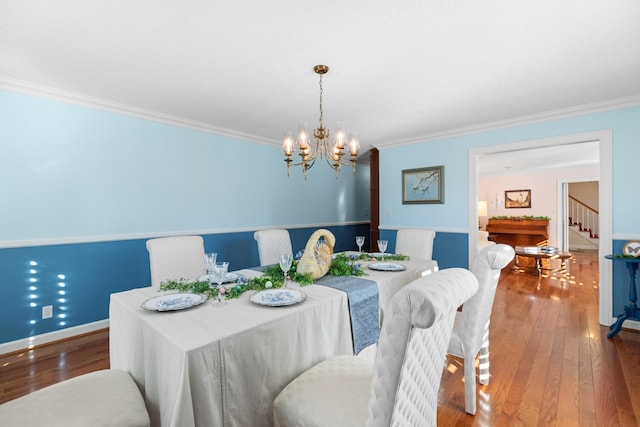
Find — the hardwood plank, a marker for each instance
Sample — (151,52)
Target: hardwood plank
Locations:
(586,406)
(569,393)
(627,345)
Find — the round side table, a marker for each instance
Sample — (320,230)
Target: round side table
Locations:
(631,311)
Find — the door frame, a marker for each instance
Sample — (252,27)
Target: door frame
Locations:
(605,186)
(563,202)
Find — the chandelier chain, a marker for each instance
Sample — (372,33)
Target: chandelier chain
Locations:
(321,101)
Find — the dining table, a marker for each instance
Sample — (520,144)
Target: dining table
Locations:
(223,366)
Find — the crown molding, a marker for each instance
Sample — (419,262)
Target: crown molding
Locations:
(48,92)
(28,88)
(596,107)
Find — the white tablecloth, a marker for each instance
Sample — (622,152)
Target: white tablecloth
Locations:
(390,282)
(210,366)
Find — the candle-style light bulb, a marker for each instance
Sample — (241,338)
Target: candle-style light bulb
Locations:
(287,144)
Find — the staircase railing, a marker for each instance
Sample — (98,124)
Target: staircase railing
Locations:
(585,217)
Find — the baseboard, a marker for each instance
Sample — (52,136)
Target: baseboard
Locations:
(28,343)
(583,248)
(631,324)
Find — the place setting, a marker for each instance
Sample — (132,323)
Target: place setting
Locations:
(283,296)
(173,302)
(191,293)
(382,265)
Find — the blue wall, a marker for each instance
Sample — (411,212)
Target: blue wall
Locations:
(449,249)
(452,216)
(77,279)
(71,172)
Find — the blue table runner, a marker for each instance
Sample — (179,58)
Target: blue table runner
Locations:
(363,307)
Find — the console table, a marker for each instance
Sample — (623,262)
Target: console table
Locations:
(631,311)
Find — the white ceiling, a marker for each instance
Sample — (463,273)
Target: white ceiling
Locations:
(400,72)
(574,155)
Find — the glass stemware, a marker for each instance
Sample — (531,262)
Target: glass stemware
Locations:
(382,245)
(285,265)
(210,263)
(360,242)
(219,275)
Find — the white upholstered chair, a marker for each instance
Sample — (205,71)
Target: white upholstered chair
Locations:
(108,397)
(415,242)
(271,244)
(470,335)
(175,258)
(401,387)
(483,240)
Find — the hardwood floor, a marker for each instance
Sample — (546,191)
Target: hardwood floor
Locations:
(551,362)
(26,371)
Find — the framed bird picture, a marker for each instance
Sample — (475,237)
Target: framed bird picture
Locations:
(423,185)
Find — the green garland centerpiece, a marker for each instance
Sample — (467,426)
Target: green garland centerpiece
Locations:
(271,278)
(344,265)
(341,265)
(368,257)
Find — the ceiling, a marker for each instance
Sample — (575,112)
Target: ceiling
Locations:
(532,160)
(400,72)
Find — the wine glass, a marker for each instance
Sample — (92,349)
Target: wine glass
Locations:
(360,242)
(210,262)
(382,245)
(285,265)
(219,274)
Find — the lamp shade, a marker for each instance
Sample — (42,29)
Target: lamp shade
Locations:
(482,208)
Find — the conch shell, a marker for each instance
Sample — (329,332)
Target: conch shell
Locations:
(317,259)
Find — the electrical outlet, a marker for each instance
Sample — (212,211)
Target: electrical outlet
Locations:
(47,311)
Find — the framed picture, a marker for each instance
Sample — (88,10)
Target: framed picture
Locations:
(517,199)
(423,185)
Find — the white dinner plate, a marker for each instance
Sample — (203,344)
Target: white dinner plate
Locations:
(230,277)
(172,302)
(387,266)
(278,297)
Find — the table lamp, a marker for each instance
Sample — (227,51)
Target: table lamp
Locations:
(482,211)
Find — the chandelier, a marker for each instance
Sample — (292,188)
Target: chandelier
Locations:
(310,151)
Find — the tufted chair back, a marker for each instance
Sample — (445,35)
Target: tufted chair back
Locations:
(271,244)
(175,258)
(415,242)
(401,387)
(412,347)
(470,335)
(476,312)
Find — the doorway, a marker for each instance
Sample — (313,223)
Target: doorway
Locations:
(604,139)
(578,201)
